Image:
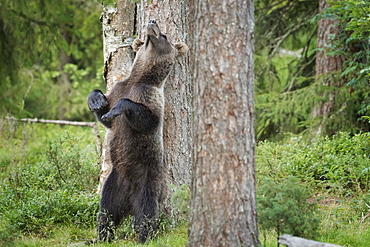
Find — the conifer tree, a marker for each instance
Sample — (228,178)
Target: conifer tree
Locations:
(223,196)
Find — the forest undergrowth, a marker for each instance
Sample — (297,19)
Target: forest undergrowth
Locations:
(49,176)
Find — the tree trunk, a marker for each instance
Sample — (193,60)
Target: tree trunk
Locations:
(118,32)
(326,65)
(223,199)
(119,26)
(172,18)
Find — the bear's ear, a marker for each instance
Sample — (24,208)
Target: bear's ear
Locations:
(137,44)
(181,48)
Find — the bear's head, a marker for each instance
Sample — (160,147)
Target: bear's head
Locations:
(156,55)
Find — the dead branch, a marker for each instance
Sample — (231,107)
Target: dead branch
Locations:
(60,122)
(292,241)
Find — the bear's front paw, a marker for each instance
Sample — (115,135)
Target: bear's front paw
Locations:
(96,100)
(109,116)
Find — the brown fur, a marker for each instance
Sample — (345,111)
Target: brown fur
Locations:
(134,111)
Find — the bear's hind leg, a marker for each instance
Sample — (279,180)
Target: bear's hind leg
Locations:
(106,227)
(113,206)
(146,208)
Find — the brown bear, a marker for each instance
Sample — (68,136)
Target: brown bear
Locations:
(134,112)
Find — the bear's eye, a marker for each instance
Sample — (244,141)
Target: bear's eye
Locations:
(164,36)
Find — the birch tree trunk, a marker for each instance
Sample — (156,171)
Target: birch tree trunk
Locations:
(223,199)
(118,31)
(172,18)
(326,65)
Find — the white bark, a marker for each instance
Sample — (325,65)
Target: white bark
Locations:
(118,31)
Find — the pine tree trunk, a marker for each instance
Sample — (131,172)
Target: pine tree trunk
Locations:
(118,32)
(223,200)
(325,65)
(172,18)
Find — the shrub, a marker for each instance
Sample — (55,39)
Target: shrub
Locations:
(283,207)
(39,211)
(180,203)
(57,190)
(339,164)
(70,166)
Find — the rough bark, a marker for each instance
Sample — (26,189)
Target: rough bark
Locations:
(292,241)
(223,199)
(172,18)
(118,31)
(326,28)
(326,65)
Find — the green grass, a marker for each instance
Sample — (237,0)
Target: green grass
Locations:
(348,235)
(336,172)
(72,236)
(48,180)
(340,225)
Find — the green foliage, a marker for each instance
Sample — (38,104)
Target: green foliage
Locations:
(41,41)
(284,60)
(353,40)
(338,165)
(283,207)
(37,211)
(147,1)
(352,43)
(48,179)
(287,89)
(41,190)
(40,96)
(70,167)
(332,171)
(283,24)
(48,27)
(180,204)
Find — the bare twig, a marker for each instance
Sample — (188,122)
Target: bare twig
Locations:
(60,122)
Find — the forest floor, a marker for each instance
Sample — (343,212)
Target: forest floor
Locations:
(43,203)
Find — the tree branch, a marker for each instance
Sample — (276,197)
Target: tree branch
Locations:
(292,241)
(60,122)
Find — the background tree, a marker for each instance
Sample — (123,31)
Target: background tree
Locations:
(223,200)
(284,65)
(341,67)
(288,91)
(327,68)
